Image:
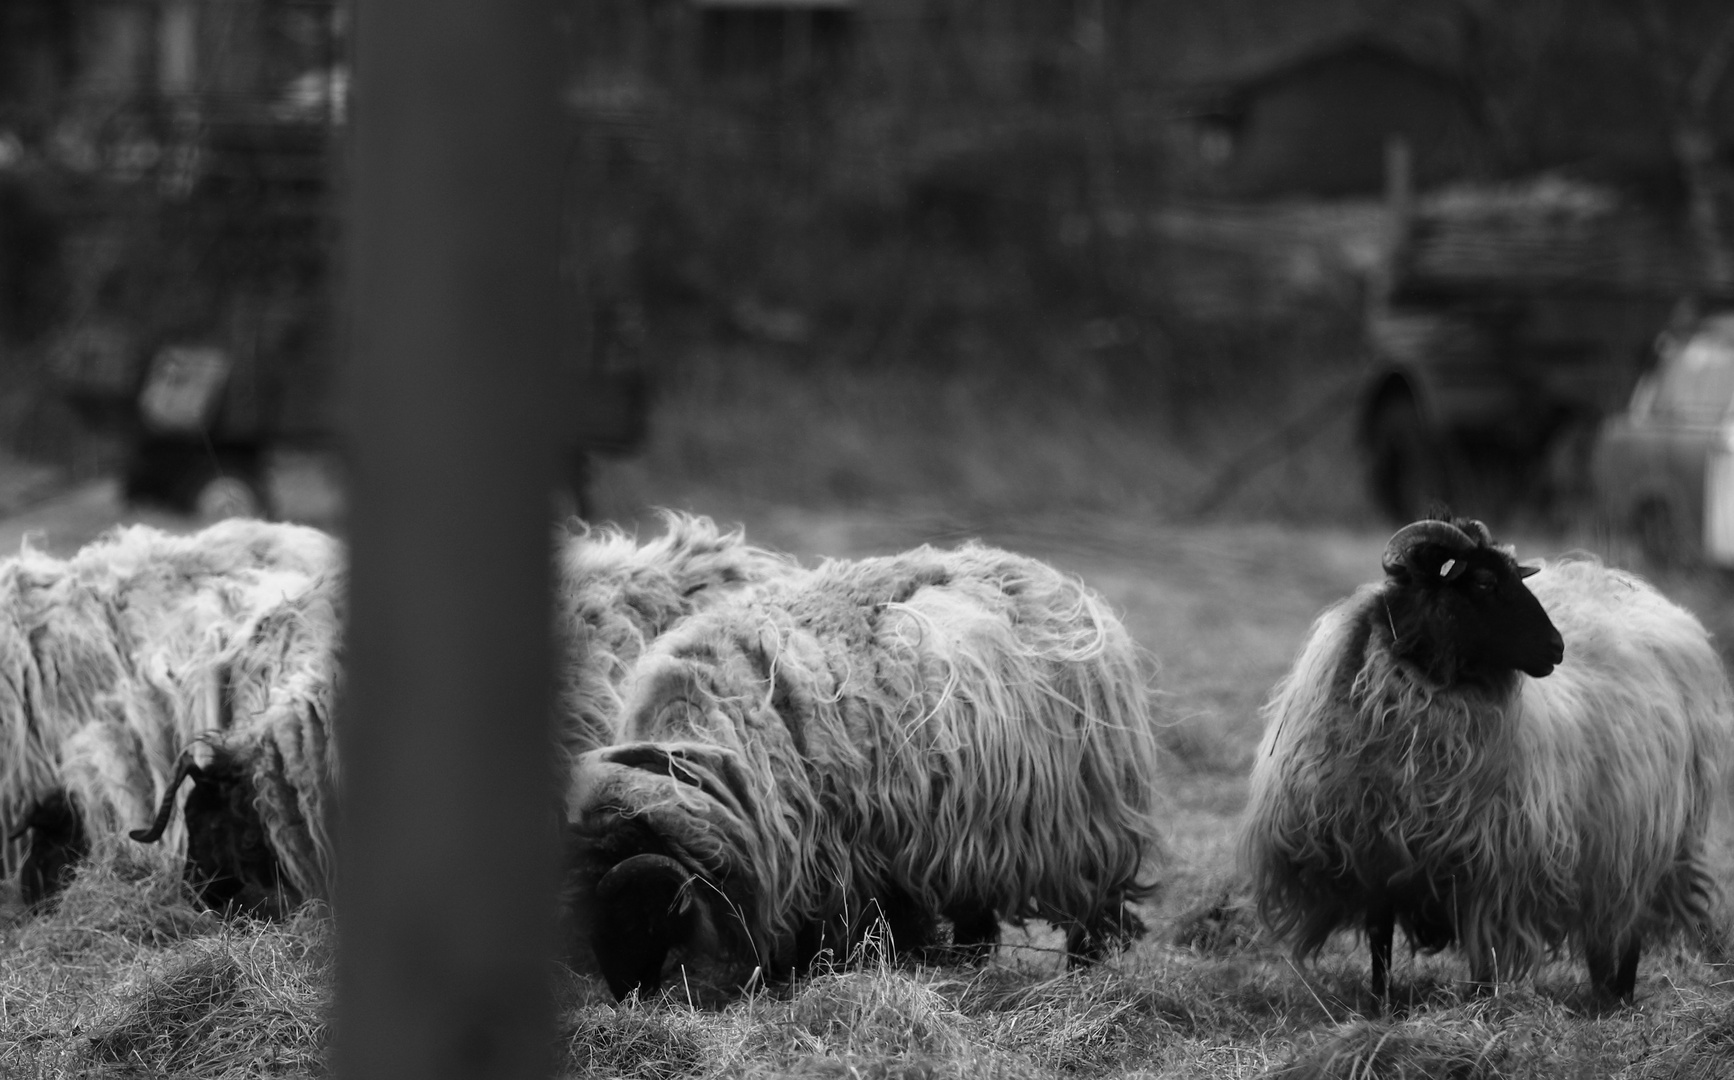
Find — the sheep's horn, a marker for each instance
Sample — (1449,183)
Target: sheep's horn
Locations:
(1477,530)
(643,909)
(637,868)
(184,768)
(1411,537)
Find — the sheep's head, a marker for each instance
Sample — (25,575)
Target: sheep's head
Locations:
(652,862)
(644,906)
(57,845)
(230,863)
(1457,607)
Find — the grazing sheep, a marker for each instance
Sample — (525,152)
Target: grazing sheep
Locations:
(962,734)
(1425,765)
(106,638)
(60,844)
(257,816)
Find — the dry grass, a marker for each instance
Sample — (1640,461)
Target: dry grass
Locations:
(126,978)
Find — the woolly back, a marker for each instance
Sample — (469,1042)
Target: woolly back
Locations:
(219,549)
(1633,735)
(964,726)
(615,595)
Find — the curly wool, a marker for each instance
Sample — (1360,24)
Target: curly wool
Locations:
(615,595)
(101,642)
(967,729)
(1516,818)
(282,682)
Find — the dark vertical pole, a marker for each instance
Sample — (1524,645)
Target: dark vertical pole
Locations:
(445,897)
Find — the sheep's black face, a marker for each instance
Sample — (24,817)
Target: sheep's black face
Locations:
(230,862)
(644,907)
(1457,606)
(57,845)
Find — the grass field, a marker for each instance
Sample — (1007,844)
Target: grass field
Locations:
(127,979)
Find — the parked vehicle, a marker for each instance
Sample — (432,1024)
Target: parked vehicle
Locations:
(1510,323)
(1664,468)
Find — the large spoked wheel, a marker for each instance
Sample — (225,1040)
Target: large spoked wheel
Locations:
(1408,470)
(1659,535)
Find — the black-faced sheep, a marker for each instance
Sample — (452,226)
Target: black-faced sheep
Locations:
(58,845)
(258,814)
(961,733)
(95,648)
(1432,762)
(257,818)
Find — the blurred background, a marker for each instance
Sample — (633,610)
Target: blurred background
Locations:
(1297,260)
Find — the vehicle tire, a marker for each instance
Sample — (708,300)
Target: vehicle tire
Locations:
(1408,469)
(1658,535)
(225,497)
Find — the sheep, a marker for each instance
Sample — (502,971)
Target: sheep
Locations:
(1438,760)
(258,812)
(962,734)
(105,637)
(61,845)
(257,816)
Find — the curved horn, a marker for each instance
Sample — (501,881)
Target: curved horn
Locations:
(1477,531)
(184,768)
(1410,537)
(638,870)
(644,908)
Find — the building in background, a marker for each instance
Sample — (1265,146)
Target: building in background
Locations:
(1322,123)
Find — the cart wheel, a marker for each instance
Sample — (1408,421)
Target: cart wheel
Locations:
(1408,469)
(227,497)
(1659,536)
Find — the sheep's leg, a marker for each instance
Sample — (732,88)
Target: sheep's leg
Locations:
(1090,940)
(1626,979)
(1381,928)
(1609,981)
(974,931)
(907,926)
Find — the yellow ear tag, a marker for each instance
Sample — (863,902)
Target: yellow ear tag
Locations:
(1445,568)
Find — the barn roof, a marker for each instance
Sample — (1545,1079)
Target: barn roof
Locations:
(1228,88)
(1242,42)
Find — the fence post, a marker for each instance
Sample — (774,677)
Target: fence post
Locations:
(445,894)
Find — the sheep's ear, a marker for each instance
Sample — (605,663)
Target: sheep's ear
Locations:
(644,906)
(1528,571)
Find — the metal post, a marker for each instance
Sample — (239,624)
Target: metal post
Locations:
(445,898)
